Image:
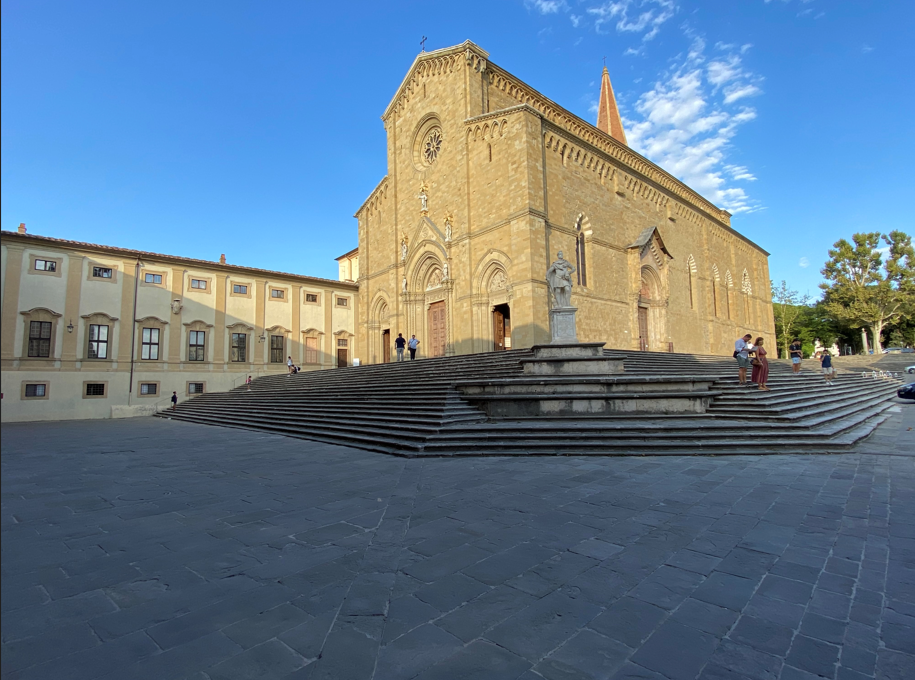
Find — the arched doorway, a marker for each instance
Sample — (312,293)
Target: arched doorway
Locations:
(644,306)
(501,327)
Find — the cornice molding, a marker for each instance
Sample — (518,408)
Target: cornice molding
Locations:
(433,63)
(377,194)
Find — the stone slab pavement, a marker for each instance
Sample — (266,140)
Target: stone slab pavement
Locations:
(157,549)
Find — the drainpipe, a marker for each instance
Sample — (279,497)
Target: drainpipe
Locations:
(133,328)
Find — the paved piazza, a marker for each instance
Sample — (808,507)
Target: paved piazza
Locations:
(155,549)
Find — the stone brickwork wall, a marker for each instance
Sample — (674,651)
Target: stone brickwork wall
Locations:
(513,179)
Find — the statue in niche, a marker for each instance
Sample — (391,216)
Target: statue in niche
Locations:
(423,197)
(559,279)
(403,248)
(445,272)
(449,218)
(403,285)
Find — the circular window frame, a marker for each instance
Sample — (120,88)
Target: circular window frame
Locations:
(427,126)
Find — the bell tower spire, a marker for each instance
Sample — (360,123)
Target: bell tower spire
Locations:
(608,115)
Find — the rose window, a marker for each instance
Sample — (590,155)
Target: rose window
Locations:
(432,145)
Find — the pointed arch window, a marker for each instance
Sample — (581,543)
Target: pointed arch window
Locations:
(691,273)
(715,282)
(580,259)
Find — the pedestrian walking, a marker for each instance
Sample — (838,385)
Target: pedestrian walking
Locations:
(289,366)
(413,344)
(760,366)
(174,400)
(829,371)
(796,353)
(742,350)
(248,383)
(399,344)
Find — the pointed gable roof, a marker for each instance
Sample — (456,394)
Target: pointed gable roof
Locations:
(608,115)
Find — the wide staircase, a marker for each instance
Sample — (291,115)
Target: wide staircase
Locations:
(417,409)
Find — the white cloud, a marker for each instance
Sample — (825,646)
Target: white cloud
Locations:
(866,48)
(546,6)
(634,16)
(803,263)
(685,123)
(575,19)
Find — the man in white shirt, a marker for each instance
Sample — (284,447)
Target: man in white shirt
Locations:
(742,349)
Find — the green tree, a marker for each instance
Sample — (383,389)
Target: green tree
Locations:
(863,290)
(789,307)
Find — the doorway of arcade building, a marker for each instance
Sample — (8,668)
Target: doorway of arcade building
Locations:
(386,345)
(501,327)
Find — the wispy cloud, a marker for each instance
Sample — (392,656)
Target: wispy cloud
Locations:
(633,16)
(686,121)
(803,263)
(546,6)
(866,48)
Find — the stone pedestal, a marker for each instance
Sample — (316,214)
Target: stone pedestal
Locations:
(562,325)
(572,358)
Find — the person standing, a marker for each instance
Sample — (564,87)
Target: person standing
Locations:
(829,371)
(248,383)
(289,366)
(760,366)
(413,344)
(174,400)
(742,350)
(796,354)
(399,344)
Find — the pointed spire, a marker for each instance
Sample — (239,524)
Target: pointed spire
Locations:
(608,116)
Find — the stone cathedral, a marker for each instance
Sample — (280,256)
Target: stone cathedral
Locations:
(488,180)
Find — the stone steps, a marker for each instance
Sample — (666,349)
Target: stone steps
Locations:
(415,409)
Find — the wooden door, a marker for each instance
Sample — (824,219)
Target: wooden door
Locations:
(341,358)
(386,346)
(498,330)
(437,329)
(643,328)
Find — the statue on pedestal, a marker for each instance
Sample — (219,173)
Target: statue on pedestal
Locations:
(559,279)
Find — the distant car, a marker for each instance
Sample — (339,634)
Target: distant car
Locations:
(910,369)
(908,350)
(892,350)
(906,391)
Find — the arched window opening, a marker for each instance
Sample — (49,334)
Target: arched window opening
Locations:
(580,260)
(715,282)
(691,274)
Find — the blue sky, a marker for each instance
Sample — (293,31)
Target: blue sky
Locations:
(189,127)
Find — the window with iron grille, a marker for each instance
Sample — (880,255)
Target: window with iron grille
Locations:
(36,391)
(311,297)
(149,388)
(98,341)
(239,289)
(40,339)
(342,343)
(95,389)
(342,302)
(196,350)
(195,388)
(102,272)
(239,346)
(46,265)
(277,348)
(200,284)
(150,347)
(277,294)
(311,350)
(153,278)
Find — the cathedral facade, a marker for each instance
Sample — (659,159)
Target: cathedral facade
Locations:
(488,180)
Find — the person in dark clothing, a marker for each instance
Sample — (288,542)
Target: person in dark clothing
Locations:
(400,344)
(829,371)
(796,354)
